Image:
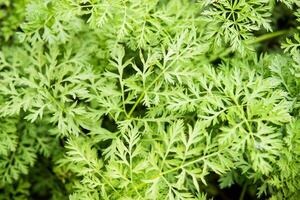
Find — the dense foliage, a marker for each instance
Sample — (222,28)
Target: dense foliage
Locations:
(149,99)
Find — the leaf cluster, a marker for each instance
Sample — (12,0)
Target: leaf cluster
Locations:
(156,99)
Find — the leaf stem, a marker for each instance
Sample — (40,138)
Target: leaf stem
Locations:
(186,164)
(136,103)
(242,196)
(268,36)
(259,39)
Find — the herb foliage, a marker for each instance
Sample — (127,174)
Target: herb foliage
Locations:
(156,99)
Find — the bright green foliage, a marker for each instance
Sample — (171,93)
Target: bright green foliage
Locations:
(156,99)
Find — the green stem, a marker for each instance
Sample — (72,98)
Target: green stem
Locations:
(259,39)
(220,54)
(161,174)
(186,164)
(268,36)
(136,103)
(243,192)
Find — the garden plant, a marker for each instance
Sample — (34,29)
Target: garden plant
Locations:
(149,99)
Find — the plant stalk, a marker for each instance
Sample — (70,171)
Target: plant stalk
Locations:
(242,196)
